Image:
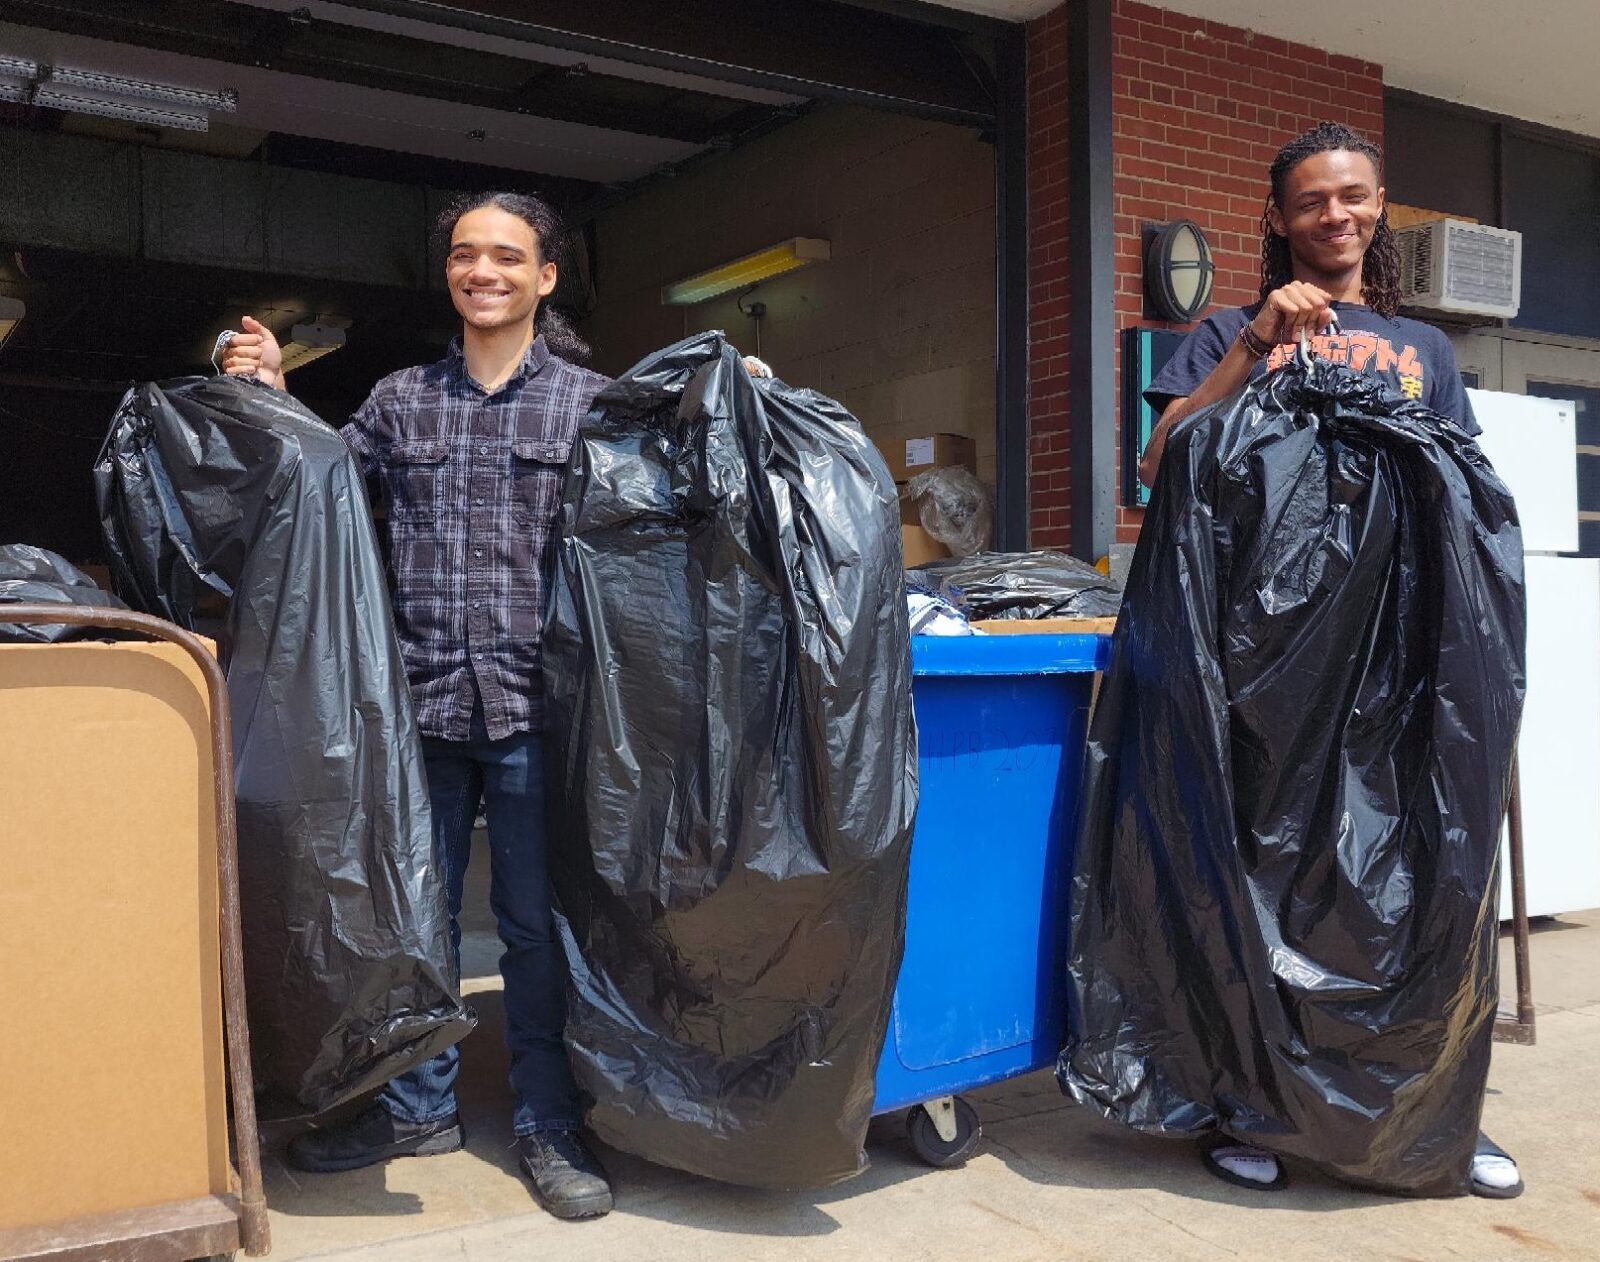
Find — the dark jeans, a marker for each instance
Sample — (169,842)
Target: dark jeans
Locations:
(507,776)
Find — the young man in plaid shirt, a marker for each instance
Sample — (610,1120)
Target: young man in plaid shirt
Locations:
(471,453)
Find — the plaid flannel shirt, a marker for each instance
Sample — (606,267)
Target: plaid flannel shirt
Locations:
(473,481)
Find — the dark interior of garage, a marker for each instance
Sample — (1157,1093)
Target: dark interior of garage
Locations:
(305,195)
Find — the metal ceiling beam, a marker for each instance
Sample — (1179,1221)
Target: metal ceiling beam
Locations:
(939,15)
(244,35)
(818,48)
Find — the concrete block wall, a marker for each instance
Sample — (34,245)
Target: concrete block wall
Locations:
(899,325)
(1200,110)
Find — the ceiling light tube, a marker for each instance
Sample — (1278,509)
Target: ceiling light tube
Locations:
(747,271)
(308,342)
(96,81)
(82,101)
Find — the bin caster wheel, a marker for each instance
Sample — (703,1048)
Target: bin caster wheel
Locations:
(926,1141)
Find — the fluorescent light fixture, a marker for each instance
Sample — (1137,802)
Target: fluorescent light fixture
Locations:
(308,342)
(113,95)
(104,105)
(97,82)
(742,273)
(16,78)
(11,313)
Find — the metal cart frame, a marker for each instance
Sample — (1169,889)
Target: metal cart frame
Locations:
(1518,1026)
(209,1225)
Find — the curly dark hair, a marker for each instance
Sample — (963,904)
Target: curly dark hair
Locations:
(551,234)
(1380,266)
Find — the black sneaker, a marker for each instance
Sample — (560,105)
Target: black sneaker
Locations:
(568,1179)
(369,1137)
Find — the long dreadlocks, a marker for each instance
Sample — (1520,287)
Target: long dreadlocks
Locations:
(1380,266)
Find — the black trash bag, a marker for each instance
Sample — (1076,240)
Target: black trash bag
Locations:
(734,768)
(223,483)
(34,576)
(995,585)
(1284,903)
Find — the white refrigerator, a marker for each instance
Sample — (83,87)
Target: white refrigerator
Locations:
(1531,443)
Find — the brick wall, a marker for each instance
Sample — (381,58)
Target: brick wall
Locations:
(1049,285)
(1200,111)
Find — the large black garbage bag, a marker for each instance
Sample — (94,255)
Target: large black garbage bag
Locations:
(1284,903)
(728,681)
(222,483)
(1030,585)
(35,576)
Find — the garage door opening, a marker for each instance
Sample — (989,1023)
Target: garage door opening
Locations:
(306,197)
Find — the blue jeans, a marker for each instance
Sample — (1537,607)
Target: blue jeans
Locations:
(507,776)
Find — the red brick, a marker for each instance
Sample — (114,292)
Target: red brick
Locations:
(1200,109)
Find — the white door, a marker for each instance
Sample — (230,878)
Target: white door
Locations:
(1560,739)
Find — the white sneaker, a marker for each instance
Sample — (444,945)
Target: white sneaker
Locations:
(1246,1167)
(1494,1173)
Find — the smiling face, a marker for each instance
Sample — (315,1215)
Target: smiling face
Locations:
(1329,211)
(495,269)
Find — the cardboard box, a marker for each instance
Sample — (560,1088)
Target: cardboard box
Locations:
(1046,626)
(101,574)
(920,547)
(912,456)
(112,1044)
(910,510)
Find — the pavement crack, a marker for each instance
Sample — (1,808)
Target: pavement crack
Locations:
(1004,1217)
(1027,1164)
(1172,1222)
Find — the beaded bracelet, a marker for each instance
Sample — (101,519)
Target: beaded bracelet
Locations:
(1255,347)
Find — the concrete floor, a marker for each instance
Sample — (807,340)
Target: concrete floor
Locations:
(1052,1182)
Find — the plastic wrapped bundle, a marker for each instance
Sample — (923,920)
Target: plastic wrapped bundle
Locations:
(1284,911)
(955,508)
(728,682)
(1000,585)
(223,484)
(34,576)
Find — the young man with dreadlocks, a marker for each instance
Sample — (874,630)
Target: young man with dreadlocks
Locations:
(1327,251)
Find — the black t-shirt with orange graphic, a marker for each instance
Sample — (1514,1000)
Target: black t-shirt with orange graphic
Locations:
(1413,358)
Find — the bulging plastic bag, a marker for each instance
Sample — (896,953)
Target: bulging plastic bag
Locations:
(223,484)
(34,576)
(955,508)
(1000,585)
(728,682)
(1284,904)
(934,615)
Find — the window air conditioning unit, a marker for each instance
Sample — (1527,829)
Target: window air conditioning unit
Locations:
(1447,265)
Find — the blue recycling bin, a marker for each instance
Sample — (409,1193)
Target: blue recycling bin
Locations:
(982,993)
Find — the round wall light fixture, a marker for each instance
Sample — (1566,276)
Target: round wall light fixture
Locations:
(1178,271)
